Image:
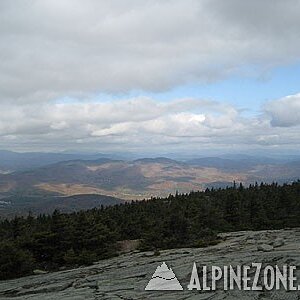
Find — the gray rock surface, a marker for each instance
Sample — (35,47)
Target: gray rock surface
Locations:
(278,243)
(126,276)
(265,247)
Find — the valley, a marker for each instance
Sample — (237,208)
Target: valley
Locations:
(127,180)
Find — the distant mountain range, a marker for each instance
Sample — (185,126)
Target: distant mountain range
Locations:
(14,161)
(42,182)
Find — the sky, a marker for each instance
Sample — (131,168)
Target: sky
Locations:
(150,76)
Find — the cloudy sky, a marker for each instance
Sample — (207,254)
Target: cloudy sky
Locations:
(150,75)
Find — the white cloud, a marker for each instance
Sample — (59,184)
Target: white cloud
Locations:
(73,48)
(52,48)
(144,123)
(285,112)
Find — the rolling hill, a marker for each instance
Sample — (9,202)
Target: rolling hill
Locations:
(51,186)
(144,177)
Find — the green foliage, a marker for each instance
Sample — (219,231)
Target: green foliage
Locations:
(187,220)
(14,262)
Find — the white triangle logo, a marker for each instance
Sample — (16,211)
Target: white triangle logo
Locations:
(163,279)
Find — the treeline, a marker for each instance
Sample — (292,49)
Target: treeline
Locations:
(185,220)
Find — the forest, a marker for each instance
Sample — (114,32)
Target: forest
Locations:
(50,242)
